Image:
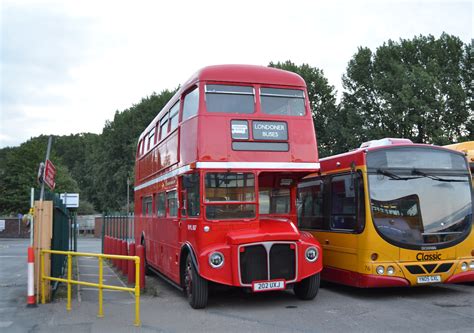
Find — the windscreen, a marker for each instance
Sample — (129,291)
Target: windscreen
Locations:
(419,196)
(230,195)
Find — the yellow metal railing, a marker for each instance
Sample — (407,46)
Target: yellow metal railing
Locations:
(99,285)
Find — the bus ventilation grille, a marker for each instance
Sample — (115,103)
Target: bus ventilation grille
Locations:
(416,269)
(444,267)
(254,263)
(429,267)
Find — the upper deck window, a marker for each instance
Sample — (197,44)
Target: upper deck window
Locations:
(288,102)
(230,99)
(174,117)
(191,104)
(163,126)
(151,139)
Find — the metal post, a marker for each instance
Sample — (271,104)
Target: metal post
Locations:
(128,195)
(32,199)
(101,309)
(69,274)
(43,287)
(75,232)
(127,233)
(48,150)
(137,292)
(103,232)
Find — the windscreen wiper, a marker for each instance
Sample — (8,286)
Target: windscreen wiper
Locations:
(392,175)
(440,179)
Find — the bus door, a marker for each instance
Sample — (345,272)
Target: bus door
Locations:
(170,232)
(147,220)
(333,206)
(344,195)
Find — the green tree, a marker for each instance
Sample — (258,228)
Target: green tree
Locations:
(418,89)
(322,97)
(113,159)
(18,172)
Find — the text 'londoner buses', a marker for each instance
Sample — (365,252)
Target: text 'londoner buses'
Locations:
(392,213)
(216,175)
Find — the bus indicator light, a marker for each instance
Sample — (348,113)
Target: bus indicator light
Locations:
(374,256)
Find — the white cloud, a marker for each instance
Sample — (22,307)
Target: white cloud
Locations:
(67,66)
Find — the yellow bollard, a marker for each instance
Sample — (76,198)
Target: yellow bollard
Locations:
(101,310)
(137,291)
(69,273)
(43,297)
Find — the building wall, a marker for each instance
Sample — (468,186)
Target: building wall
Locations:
(14,228)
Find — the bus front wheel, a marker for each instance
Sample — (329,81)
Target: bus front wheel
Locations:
(308,288)
(195,286)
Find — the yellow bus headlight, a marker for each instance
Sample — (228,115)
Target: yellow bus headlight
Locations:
(380,270)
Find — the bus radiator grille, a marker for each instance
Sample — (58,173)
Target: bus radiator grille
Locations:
(282,262)
(253,264)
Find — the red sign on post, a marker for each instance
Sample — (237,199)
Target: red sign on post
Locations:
(49,174)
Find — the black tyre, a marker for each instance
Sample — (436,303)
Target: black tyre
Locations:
(308,288)
(195,287)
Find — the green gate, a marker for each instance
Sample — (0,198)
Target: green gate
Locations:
(62,222)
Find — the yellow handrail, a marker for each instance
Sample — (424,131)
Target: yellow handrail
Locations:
(99,285)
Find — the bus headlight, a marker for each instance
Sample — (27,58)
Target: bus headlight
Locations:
(380,270)
(390,270)
(471,265)
(311,254)
(216,259)
(464,266)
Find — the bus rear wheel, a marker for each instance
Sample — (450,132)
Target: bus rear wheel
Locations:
(308,288)
(195,286)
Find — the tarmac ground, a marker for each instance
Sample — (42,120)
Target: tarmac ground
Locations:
(435,308)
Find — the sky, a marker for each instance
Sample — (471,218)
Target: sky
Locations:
(67,66)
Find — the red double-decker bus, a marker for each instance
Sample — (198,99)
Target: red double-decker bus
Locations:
(215,184)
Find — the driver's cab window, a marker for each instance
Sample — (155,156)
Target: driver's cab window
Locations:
(274,200)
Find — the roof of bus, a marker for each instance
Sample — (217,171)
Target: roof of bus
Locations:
(248,74)
(366,149)
(236,74)
(462,146)
(344,160)
(465,147)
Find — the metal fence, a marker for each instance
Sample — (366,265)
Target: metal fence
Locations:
(119,226)
(100,285)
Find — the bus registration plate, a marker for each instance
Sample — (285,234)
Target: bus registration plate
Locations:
(268,285)
(428,279)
